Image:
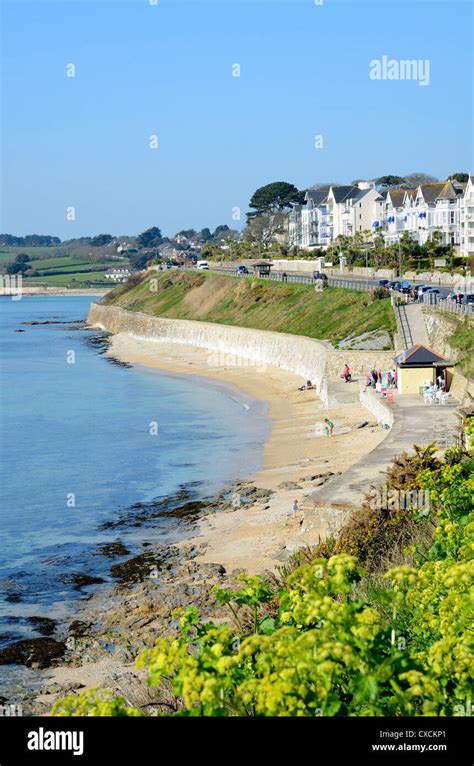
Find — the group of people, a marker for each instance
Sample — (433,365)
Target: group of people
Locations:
(378,379)
(456,297)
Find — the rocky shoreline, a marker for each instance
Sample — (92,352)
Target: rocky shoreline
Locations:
(114,625)
(247,526)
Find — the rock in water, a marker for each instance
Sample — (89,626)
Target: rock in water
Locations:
(37,652)
(44,625)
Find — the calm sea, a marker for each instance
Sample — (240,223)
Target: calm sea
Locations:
(78,446)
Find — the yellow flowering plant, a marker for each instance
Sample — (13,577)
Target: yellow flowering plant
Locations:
(321,646)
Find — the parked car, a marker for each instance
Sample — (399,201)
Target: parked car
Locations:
(395,284)
(384,283)
(202,265)
(405,287)
(242,270)
(320,275)
(433,291)
(468,298)
(423,289)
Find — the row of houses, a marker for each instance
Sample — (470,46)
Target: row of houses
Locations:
(446,206)
(118,275)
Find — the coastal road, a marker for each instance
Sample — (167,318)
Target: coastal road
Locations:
(344,280)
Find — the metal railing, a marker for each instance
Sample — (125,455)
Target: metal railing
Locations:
(352,284)
(403,326)
(461,309)
(281,276)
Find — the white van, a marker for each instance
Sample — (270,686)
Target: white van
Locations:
(203,265)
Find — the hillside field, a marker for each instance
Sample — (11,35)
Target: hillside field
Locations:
(63,270)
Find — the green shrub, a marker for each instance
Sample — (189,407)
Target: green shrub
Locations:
(334,640)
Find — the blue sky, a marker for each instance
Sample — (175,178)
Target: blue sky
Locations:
(143,69)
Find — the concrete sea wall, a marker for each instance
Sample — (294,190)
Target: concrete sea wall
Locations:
(303,356)
(377,406)
(311,359)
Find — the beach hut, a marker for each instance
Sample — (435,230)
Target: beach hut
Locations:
(418,364)
(262,268)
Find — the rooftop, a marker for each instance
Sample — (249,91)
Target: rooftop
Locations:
(421,356)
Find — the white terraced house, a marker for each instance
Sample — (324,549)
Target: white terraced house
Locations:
(445,206)
(467,220)
(422,211)
(342,210)
(395,222)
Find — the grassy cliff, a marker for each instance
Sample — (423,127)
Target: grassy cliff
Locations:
(462,339)
(334,314)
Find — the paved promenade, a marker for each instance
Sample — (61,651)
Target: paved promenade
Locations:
(326,509)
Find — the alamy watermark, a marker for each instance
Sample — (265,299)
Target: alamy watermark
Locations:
(11,710)
(225,359)
(12,284)
(417,70)
(387,498)
(42,739)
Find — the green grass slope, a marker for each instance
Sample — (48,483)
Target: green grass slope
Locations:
(462,339)
(334,314)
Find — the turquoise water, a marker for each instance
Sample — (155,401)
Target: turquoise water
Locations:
(76,449)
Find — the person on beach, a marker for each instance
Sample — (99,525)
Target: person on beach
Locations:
(295,512)
(347,373)
(329,427)
(374,376)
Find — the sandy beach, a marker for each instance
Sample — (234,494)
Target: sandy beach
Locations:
(297,449)
(250,537)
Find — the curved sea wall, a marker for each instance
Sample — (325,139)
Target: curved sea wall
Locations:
(311,359)
(377,406)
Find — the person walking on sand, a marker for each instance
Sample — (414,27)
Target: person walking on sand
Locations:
(329,428)
(295,508)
